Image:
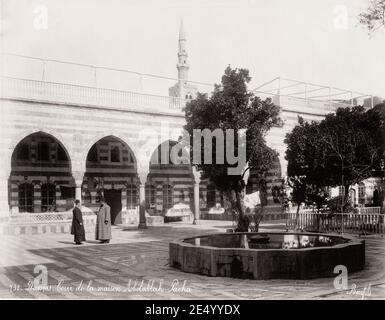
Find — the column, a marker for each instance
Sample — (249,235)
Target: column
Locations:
(142,198)
(78,190)
(197,179)
(78,176)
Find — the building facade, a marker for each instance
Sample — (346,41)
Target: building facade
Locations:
(61,142)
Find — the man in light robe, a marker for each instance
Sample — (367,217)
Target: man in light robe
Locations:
(103,223)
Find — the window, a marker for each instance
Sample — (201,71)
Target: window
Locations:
(168,200)
(341,191)
(26,197)
(211,196)
(43,151)
(23,151)
(48,197)
(132,197)
(150,196)
(115,154)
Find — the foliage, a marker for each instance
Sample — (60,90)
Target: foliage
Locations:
(341,150)
(374,17)
(306,165)
(334,205)
(232,106)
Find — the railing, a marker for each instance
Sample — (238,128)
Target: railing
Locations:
(51,92)
(46,217)
(369,210)
(361,223)
(310,105)
(64,217)
(303,105)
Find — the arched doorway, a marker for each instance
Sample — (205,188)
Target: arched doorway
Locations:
(172,183)
(41,179)
(111,173)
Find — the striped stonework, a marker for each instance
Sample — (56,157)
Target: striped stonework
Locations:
(88,142)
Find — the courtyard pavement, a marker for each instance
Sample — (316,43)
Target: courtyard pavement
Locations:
(135,266)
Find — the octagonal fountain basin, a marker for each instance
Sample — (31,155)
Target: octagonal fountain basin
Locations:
(273,255)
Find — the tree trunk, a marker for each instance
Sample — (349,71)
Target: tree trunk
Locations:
(346,197)
(258,216)
(243,222)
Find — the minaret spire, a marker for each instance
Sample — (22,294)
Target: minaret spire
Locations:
(182,89)
(182,35)
(182,65)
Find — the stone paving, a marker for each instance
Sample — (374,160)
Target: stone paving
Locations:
(135,266)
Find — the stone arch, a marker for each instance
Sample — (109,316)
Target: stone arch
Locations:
(40,157)
(47,133)
(175,178)
(100,137)
(110,169)
(131,144)
(20,136)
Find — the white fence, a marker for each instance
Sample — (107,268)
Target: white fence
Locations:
(365,221)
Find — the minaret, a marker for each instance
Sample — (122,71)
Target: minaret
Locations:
(182,65)
(182,88)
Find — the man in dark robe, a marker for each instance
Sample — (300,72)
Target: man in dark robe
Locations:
(103,223)
(77,228)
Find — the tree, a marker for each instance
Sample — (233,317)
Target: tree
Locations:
(374,17)
(232,106)
(341,150)
(306,166)
(350,138)
(380,111)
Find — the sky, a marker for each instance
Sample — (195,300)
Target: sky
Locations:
(307,40)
